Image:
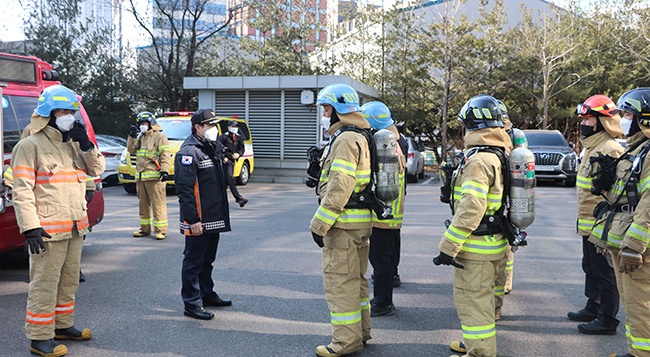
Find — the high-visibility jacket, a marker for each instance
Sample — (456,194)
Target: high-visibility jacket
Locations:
(599,143)
(150,147)
(398,204)
(626,228)
(50,178)
(478,191)
(8,174)
(346,170)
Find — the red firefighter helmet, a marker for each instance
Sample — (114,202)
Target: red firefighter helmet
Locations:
(597,105)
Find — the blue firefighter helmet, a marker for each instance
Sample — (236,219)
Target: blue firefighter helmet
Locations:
(377,114)
(56,97)
(480,112)
(146,116)
(341,96)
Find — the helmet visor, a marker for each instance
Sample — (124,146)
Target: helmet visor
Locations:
(586,110)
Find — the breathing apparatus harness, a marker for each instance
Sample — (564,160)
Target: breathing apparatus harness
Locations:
(499,221)
(359,200)
(606,165)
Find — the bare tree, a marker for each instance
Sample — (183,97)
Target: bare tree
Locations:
(552,41)
(177,30)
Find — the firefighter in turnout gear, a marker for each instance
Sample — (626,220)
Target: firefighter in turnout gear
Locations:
(599,126)
(50,168)
(622,221)
(478,188)
(385,239)
(151,148)
(341,226)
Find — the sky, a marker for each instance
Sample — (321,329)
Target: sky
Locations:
(11,18)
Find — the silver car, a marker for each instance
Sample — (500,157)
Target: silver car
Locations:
(414,162)
(111,147)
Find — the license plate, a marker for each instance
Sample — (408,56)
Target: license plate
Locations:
(544,168)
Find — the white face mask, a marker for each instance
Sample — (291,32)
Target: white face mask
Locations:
(626,124)
(144,128)
(325,122)
(211,134)
(233,130)
(65,122)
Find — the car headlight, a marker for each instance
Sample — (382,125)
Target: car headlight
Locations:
(123,158)
(570,162)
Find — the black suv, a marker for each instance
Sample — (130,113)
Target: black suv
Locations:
(555,158)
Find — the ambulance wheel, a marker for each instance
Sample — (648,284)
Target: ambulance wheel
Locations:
(244,175)
(130,188)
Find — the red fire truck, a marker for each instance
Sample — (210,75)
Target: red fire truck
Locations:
(22,78)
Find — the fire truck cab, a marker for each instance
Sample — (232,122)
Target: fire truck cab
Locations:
(22,78)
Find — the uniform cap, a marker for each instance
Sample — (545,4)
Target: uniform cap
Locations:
(233,123)
(204,116)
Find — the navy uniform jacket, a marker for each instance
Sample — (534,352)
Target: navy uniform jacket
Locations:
(200,186)
(233,144)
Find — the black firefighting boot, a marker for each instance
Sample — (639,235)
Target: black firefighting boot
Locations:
(602,325)
(47,348)
(73,333)
(583,315)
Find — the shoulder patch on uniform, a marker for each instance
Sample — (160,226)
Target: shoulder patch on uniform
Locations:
(186,160)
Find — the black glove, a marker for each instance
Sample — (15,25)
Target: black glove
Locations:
(134,130)
(89,195)
(164,176)
(445,259)
(34,240)
(318,239)
(78,134)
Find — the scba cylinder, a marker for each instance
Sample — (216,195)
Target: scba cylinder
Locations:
(387,166)
(522,189)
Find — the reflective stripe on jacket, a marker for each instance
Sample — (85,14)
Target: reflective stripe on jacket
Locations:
(346,170)
(153,146)
(49,186)
(599,143)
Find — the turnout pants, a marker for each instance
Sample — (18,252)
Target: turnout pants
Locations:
(230,167)
(510,270)
(635,293)
(151,195)
(345,260)
(474,300)
(384,261)
(53,282)
(196,275)
(600,281)
(500,281)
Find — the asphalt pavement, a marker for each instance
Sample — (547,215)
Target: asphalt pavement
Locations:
(271,269)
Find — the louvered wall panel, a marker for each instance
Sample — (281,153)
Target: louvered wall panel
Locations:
(230,103)
(264,114)
(299,126)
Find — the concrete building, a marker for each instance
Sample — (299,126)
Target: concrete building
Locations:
(281,112)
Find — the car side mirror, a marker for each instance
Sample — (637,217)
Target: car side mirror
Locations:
(572,145)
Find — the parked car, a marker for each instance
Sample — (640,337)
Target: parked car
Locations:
(111,147)
(414,162)
(555,158)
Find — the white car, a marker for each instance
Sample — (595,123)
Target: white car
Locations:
(414,162)
(111,147)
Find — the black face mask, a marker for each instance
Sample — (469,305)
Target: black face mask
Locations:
(587,130)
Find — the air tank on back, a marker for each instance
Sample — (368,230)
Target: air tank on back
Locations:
(522,190)
(387,166)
